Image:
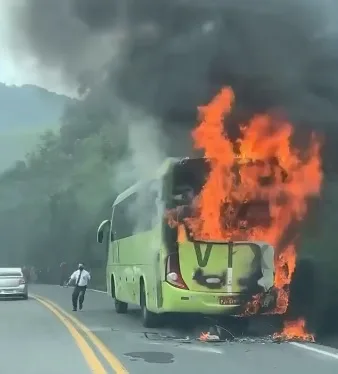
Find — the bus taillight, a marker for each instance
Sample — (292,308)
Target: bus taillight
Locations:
(173,272)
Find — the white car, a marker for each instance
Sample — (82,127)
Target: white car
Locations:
(13,283)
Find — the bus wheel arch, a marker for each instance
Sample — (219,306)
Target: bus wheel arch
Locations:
(112,286)
(149,319)
(120,306)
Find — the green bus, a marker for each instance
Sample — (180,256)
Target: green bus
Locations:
(148,266)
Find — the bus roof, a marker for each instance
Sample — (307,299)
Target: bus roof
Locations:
(126,193)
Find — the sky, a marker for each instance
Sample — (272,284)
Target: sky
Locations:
(14,72)
(9,72)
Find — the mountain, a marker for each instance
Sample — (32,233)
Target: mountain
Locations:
(29,106)
(25,112)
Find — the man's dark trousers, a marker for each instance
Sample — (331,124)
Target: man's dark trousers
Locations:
(78,294)
(63,279)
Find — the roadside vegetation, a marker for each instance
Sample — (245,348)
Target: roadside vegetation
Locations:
(52,201)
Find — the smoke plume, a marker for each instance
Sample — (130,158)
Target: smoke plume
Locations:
(168,57)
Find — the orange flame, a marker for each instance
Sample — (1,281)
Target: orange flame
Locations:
(204,336)
(297,175)
(294,330)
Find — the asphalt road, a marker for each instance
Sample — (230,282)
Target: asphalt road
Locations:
(36,336)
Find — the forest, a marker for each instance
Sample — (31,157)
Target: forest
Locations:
(52,201)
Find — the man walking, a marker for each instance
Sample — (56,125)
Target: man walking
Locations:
(81,277)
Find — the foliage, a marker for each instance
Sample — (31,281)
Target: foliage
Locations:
(52,202)
(20,128)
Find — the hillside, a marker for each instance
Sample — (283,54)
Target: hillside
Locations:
(24,113)
(29,106)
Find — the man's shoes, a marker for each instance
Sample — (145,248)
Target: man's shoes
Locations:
(80,306)
(74,309)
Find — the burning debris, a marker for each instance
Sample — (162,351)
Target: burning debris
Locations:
(294,330)
(216,334)
(207,337)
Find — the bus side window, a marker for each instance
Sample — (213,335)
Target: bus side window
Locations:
(138,212)
(148,206)
(124,220)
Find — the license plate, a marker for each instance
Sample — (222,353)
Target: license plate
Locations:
(230,300)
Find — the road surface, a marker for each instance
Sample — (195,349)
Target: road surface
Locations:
(42,335)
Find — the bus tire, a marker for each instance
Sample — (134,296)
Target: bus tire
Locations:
(121,307)
(313,296)
(302,290)
(149,319)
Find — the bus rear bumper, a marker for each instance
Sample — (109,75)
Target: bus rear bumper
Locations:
(213,303)
(184,301)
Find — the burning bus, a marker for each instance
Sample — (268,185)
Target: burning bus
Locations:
(214,235)
(157,258)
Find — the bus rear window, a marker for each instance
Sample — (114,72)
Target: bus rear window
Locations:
(193,173)
(246,215)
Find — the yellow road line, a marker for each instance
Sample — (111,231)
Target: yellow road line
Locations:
(89,355)
(113,361)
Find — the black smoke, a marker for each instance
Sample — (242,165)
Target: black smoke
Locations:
(168,57)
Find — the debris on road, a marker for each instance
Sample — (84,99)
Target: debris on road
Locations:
(207,337)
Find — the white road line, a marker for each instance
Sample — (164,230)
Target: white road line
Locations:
(317,350)
(91,289)
(200,349)
(189,347)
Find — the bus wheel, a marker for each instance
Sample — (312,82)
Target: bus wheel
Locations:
(121,307)
(149,319)
(304,283)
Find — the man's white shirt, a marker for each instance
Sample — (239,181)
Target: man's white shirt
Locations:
(84,278)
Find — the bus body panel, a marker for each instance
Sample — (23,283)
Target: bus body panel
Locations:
(136,257)
(143,259)
(209,266)
(183,301)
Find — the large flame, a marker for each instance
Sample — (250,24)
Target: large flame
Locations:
(298,176)
(265,140)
